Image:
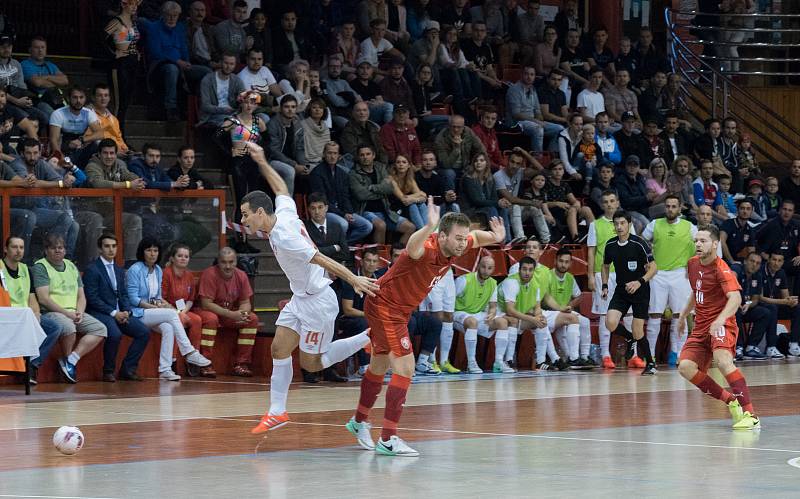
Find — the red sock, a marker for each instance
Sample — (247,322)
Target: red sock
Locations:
(371,385)
(710,387)
(395,398)
(739,390)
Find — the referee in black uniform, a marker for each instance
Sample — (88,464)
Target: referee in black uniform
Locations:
(633,262)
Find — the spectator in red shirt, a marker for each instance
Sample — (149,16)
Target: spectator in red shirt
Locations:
(398,138)
(225,292)
(486,134)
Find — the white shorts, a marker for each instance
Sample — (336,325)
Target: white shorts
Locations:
(442,298)
(551,316)
(669,288)
(600,305)
(313,318)
(483,328)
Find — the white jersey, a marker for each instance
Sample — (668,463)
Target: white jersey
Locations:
(294,250)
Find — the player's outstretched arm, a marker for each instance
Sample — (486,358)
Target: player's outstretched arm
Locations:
(360,284)
(416,243)
(256,153)
(487,238)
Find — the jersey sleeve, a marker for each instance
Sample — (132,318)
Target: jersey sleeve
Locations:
(648,250)
(295,242)
(576,290)
(493,299)
(608,256)
(461,283)
(510,289)
(648,231)
(285,207)
(591,239)
(727,278)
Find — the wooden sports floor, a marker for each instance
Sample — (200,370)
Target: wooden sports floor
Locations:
(572,434)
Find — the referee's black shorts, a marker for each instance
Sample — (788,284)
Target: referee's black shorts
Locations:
(639,301)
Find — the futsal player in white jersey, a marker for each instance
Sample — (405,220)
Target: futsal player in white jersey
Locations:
(308,319)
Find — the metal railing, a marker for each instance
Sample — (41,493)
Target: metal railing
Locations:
(713,92)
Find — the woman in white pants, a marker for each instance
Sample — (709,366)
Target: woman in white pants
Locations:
(144,289)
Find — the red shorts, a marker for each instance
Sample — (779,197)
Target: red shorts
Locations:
(388,331)
(700,346)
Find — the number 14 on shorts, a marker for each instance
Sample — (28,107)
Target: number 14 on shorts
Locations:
(312,338)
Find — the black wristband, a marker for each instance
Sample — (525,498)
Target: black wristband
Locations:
(642,281)
(605,286)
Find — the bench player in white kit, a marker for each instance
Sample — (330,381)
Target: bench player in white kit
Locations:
(308,319)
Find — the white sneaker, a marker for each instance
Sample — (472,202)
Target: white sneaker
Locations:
(473,368)
(425,369)
(361,432)
(197,359)
(773,353)
(502,367)
(794,349)
(169,375)
(363,370)
(395,446)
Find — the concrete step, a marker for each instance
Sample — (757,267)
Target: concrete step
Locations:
(270,297)
(271,279)
(69,65)
(167,143)
(267,319)
(154,128)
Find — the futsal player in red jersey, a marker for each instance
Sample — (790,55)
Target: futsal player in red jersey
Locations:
(425,260)
(715,298)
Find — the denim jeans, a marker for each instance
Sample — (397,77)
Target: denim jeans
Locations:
(538,133)
(52,332)
(356,230)
(372,215)
(418,213)
(381,113)
(496,211)
(168,74)
(287,173)
(22,224)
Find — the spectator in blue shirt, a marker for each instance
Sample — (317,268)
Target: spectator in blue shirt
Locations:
(167,52)
(522,105)
(706,191)
(44,78)
(148,167)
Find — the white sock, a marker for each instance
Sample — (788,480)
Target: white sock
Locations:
(573,341)
(423,359)
(551,349)
(605,337)
(511,347)
(540,337)
(445,341)
(500,343)
(471,343)
(279,385)
(73,358)
(586,337)
(344,348)
(653,331)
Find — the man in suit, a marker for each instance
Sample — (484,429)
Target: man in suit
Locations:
(329,238)
(107,301)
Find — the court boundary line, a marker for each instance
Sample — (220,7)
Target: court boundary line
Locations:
(56,497)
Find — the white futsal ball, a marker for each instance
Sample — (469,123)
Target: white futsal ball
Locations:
(68,440)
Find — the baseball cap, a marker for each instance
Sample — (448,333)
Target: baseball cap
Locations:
(632,160)
(401,108)
(363,60)
(628,115)
(755,181)
(6,39)
(431,25)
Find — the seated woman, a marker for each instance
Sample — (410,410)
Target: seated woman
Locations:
(657,189)
(479,195)
(407,195)
(179,289)
(144,290)
(297,83)
(423,90)
(316,132)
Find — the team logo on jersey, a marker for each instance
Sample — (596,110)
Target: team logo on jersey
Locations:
(698,284)
(746,237)
(754,283)
(633,265)
(778,281)
(405,343)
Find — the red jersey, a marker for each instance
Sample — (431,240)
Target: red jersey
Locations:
(174,288)
(711,285)
(409,281)
(227,293)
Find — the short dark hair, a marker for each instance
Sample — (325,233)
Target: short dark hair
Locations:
(364,146)
(182,149)
(595,69)
(52,239)
(451,220)
(150,145)
(100,86)
(377,22)
(603,114)
(787,201)
(622,214)
(283,99)
(145,243)
(748,200)
(563,251)
(254,49)
(317,197)
(370,251)
(12,236)
(671,114)
(526,260)
(556,72)
(105,235)
(672,196)
(239,3)
(38,38)
(258,199)
(712,230)
(107,143)
(29,142)
(76,88)
(710,121)
(609,192)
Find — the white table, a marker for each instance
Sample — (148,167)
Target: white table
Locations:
(20,336)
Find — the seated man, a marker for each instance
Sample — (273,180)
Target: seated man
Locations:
(219,92)
(360,130)
(13,121)
(43,77)
(455,147)
(476,313)
(14,81)
(59,289)
(148,168)
(329,238)
(225,291)
(552,100)
(620,99)
(486,132)
(20,289)
(108,122)
(286,149)
(398,138)
(353,321)
(519,297)
(200,31)
(229,35)
(256,76)
(522,107)
(775,296)
(706,191)
(567,295)
(752,311)
(736,236)
(380,110)
(431,182)
(508,182)
(107,171)
(108,302)
(371,187)
(633,194)
(563,205)
(341,96)
(74,129)
(395,89)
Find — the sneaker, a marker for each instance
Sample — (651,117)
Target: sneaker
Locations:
(502,367)
(425,369)
(169,375)
(591,363)
(544,366)
(270,422)
(363,370)
(579,365)
(608,363)
(395,447)
(197,359)
(435,367)
(68,369)
(672,359)
(753,353)
(448,368)
(636,363)
(361,432)
(794,350)
(739,353)
(773,353)
(649,369)
(748,422)
(33,373)
(735,409)
(561,364)
(473,368)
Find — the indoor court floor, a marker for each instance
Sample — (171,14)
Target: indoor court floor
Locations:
(572,434)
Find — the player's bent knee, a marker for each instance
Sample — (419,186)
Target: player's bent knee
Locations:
(470,323)
(687,369)
(311,362)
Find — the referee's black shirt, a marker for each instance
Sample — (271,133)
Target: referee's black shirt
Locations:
(630,258)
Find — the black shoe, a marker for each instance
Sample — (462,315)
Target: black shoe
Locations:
(123,376)
(544,366)
(561,365)
(309,377)
(590,362)
(330,374)
(33,372)
(649,369)
(109,378)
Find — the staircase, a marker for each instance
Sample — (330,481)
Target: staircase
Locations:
(270,285)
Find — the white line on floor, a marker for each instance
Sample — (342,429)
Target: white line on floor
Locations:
(56,497)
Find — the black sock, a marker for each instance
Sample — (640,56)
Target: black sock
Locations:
(644,349)
(623,331)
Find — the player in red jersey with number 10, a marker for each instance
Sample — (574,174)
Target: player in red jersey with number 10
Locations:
(715,298)
(422,264)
